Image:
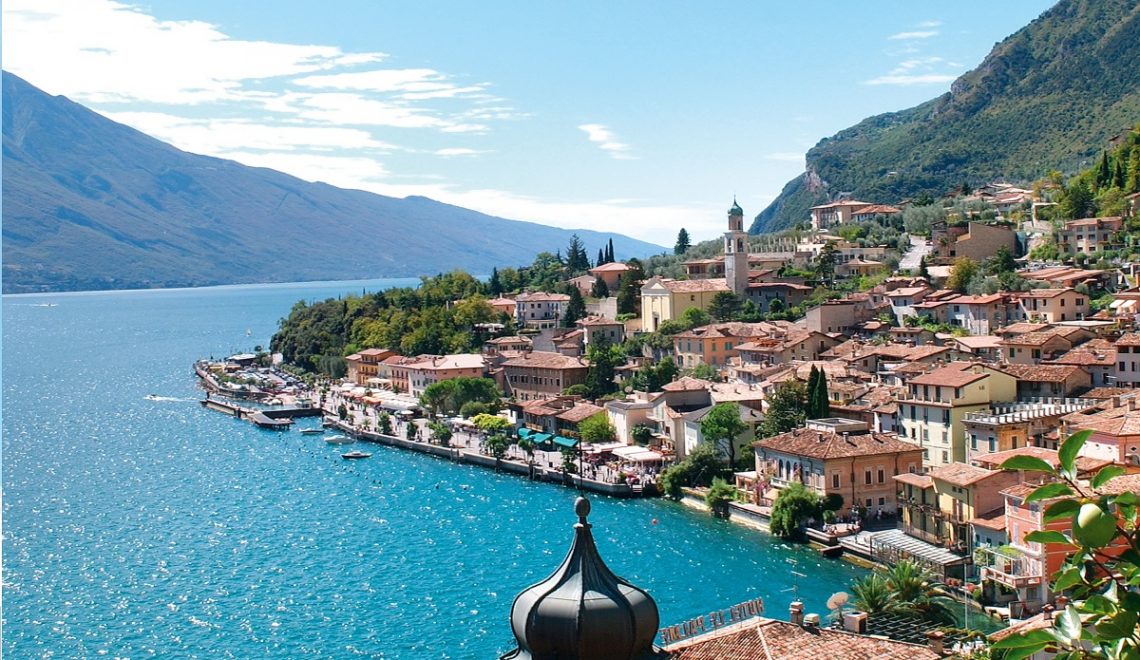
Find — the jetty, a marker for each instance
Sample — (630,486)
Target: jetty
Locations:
(277,419)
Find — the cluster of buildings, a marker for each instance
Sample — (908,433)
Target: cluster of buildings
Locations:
(920,420)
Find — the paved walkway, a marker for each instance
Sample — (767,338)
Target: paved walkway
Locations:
(919,248)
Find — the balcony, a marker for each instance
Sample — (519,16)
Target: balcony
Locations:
(1009,568)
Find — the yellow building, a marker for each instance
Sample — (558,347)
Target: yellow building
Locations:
(938,507)
(665,300)
(932,412)
(1053,305)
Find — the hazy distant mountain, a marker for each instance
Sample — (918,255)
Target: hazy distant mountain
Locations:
(92,204)
(1050,96)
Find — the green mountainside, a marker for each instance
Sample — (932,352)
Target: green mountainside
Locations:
(1051,96)
(92,204)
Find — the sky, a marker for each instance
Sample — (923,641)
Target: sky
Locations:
(640,117)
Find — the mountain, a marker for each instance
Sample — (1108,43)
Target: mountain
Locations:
(92,204)
(1051,96)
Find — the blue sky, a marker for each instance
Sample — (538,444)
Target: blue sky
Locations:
(637,117)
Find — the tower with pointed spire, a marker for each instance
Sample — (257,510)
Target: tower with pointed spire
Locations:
(736,251)
(583,611)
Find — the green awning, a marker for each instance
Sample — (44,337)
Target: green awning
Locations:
(565,442)
(539,438)
(524,433)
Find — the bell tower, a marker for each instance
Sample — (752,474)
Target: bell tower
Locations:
(736,252)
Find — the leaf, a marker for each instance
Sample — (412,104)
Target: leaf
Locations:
(1056,489)
(1068,623)
(1030,463)
(1048,536)
(1066,579)
(1062,509)
(1067,454)
(1122,624)
(1023,645)
(1107,472)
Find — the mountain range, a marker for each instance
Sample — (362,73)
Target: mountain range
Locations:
(1051,96)
(93,204)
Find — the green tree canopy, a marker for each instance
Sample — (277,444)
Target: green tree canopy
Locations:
(793,507)
(963,270)
(575,309)
(724,306)
(683,242)
(600,288)
(786,408)
(597,429)
(721,426)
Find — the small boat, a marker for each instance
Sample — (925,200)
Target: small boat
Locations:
(339,440)
(312,431)
(355,454)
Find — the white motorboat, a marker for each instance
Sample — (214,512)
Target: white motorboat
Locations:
(339,440)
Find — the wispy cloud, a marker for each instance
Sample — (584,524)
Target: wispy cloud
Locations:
(607,141)
(451,152)
(786,156)
(917,79)
(917,34)
(930,70)
(929,24)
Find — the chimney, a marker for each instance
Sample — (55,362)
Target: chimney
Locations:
(796,613)
(935,639)
(811,621)
(1048,612)
(1132,404)
(1061,602)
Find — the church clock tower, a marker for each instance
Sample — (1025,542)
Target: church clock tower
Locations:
(736,252)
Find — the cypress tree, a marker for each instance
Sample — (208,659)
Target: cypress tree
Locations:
(1118,178)
(819,397)
(610,252)
(1103,175)
(575,308)
(812,384)
(600,290)
(494,285)
(601,257)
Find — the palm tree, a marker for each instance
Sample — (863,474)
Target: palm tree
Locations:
(872,595)
(917,591)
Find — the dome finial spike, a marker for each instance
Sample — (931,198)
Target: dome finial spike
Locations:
(582,508)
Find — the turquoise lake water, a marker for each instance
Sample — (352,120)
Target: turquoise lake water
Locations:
(137,527)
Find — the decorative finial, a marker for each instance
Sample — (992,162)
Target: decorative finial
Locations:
(582,508)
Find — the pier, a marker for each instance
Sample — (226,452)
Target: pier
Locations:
(267,418)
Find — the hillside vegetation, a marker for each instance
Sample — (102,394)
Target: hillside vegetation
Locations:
(1051,96)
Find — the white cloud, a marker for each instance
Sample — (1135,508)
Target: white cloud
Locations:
(929,24)
(917,79)
(457,151)
(917,34)
(919,71)
(606,140)
(786,156)
(220,137)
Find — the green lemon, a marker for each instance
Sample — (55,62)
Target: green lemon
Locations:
(1093,527)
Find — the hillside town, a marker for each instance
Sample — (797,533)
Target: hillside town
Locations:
(919,386)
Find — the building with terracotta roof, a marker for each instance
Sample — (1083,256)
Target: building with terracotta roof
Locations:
(1089,235)
(666,300)
(611,274)
(509,344)
(940,508)
(1097,357)
(1115,427)
(932,411)
(539,309)
(835,213)
(1048,380)
(1009,426)
(539,374)
(1042,345)
(1128,360)
(597,329)
(838,456)
(425,370)
(761,638)
(1051,305)
(363,366)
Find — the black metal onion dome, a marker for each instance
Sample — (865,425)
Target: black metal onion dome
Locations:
(583,610)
